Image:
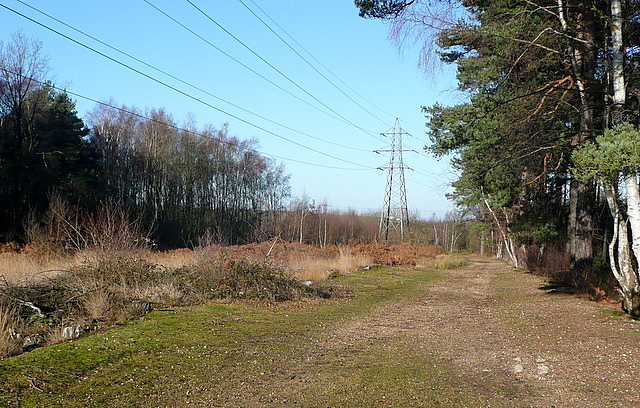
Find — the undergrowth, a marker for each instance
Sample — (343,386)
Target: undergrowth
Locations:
(52,299)
(224,354)
(112,289)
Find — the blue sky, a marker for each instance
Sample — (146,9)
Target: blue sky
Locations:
(332,159)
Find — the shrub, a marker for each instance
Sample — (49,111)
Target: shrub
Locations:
(243,279)
(112,287)
(109,286)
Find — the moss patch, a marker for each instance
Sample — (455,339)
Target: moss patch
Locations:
(242,354)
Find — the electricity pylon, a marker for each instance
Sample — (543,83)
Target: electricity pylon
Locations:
(394,220)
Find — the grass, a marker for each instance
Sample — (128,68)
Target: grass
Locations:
(319,269)
(241,354)
(615,314)
(93,287)
(16,268)
(10,325)
(113,288)
(444,261)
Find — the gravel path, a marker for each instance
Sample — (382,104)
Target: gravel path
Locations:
(507,340)
(526,347)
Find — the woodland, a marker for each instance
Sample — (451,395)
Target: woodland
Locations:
(123,175)
(546,146)
(125,214)
(547,143)
(173,181)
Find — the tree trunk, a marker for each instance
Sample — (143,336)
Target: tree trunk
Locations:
(626,271)
(581,195)
(580,231)
(617,63)
(506,237)
(620,259)
(633,211)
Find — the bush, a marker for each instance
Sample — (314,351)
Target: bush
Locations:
(120,287)
(244,279)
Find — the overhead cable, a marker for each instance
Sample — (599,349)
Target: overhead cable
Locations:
(319,62)
(182,92)
(275,68)
(238,61)
(187,83)
(310,64)
(141,116)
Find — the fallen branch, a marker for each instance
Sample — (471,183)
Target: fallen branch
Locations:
(275,241)
(74,298)
(25,303)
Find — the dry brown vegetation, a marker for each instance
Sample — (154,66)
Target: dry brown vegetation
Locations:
(49,298)
(302,260)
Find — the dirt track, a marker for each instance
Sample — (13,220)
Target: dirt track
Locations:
(507,342)
(521,346)
(484,335)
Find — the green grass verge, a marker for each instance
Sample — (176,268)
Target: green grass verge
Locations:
(241,354)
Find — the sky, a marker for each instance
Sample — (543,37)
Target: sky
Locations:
(315,86)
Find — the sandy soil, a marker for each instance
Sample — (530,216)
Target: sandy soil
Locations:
(520,345)
(513,343)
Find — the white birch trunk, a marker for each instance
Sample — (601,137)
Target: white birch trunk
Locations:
(633,211)
(506,238)
(435,234)
(617,62)
(620,259)
(627,274)
(511,246)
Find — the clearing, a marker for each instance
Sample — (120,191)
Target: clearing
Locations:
(481,335)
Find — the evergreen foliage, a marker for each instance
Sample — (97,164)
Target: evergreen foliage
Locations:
(43,145)
(540,85)
(125,172)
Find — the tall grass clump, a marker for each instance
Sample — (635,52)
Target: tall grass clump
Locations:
(318,269)
(444,261)
(19,267)
(113,288)
(10,325)
(113,285)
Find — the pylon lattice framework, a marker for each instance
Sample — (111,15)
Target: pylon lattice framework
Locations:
(394,220)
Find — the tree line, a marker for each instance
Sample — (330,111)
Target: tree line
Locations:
(547,143)
(125,177)
(122,167)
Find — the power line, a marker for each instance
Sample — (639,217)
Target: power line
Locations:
(375,210)
(198,134)
(205,135)
(187,83)
(440,188)
(182,92)
(308,63)
(425,173)
(237,61)
(420,152)
(275,68)
(320,63)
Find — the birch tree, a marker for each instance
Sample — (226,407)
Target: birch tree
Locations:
(538,74)
(615,157)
